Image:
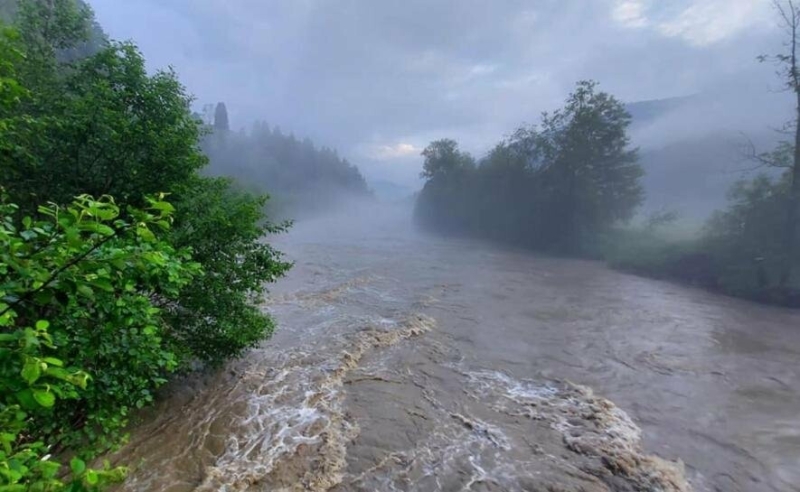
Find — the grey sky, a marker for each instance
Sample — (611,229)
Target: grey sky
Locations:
(378,79)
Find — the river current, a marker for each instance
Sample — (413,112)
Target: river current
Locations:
(410,362)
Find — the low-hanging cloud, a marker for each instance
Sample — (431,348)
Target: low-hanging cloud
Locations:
(378,80)
(394,151)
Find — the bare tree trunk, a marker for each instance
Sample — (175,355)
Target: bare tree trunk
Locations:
(791,18)
(794,198)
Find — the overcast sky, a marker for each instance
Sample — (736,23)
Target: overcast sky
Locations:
(379,79)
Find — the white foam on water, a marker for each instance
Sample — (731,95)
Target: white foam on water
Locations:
(295,430)
(521,391)
(589,425)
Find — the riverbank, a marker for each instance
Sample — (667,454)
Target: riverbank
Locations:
(689,261)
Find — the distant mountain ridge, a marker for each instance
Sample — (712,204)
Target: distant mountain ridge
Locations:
(644,112)
(391,191)
(691,172)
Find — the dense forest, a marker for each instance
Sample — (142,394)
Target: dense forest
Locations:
(121,263)
(572,184)
(299,177)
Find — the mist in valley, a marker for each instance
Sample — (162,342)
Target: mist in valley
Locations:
(405,246)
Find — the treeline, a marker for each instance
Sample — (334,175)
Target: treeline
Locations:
(554,188)
(120,263)
(571,185)
(299,177)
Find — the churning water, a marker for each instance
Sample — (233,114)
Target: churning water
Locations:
(405,362)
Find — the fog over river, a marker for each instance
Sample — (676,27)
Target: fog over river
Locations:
(410,362)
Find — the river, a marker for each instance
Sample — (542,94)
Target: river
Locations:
(405,361)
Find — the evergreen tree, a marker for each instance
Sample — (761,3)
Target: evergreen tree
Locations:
(221,123)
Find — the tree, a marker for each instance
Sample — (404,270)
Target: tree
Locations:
(555,187)
(584,164)
(788,154)
(120,132)
(104,126)
(11,91)
(747,238)
(51,25)
(102,299)
(221,123)
(443,158)
(444,203)
(217,317)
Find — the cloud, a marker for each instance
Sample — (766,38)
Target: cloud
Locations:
(378,80)
(394,151)
(707,22)
(698,22)
(630,13)
(482,69)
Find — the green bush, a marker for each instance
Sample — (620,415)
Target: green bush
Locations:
(83,294)
(216,317)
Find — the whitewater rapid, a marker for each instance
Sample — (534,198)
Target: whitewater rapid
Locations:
(406,362)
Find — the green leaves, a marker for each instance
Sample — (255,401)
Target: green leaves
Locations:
(217,320)
(85,290)
(92,477)
(77,466)
(44,397)
(32,370)
(145,233)
(92,275)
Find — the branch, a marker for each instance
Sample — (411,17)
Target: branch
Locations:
(789,21)
(37,251)
(28,295)
(788,128)
(779,7)
(748,152)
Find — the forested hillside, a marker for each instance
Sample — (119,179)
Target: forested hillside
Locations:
(300,177)
(690,172)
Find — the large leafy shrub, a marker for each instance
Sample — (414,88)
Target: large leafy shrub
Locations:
(217,315)
(83,295)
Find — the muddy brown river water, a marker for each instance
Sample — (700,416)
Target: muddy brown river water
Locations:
(411,362)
